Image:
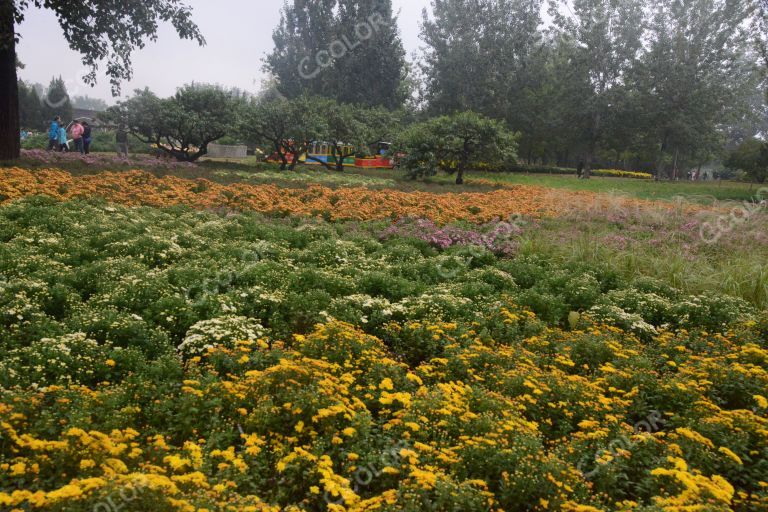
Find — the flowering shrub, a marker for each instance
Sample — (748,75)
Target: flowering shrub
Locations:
(68,359)
(356,203)
(616,173)
(180,360)
(560,420)
(538,169)
(498,237)
(219,332)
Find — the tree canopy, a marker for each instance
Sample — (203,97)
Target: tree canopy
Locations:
(750,157)
(454,143)
(183,125)
(347,50)
(656,85)
(284,127)
(287,127)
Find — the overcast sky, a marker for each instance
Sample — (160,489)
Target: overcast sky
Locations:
(238,33)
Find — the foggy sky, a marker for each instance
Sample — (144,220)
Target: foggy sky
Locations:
(238,35)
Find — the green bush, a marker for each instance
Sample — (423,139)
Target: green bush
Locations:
(143,278)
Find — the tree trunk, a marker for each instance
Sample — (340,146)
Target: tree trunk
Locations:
(294,162)
(462,165)
(463,161)
(281,154)
(587,171)
(339,160)
(674,167)
(592,146)
(10,142)
(660,162)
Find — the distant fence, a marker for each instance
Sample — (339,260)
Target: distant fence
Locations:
(221,151)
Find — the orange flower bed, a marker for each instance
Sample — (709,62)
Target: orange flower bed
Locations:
(139,188)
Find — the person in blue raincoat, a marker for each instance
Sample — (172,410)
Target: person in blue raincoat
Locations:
(53,134)
(63,143)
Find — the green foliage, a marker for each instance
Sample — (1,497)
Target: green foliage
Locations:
(65,360)
(183,125)
(285,127)
(348,50)
(31,112)
(454,143)
(606,37)
(289,126)
(479,55)
(751,157)
(56,102)
(703,75)
(588,91)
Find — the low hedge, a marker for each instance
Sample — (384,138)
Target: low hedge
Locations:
(605,173)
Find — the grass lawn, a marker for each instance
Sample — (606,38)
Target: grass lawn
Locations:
(252,171)
(701,192)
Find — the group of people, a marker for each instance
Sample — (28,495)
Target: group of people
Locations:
(80,131)
(81,134)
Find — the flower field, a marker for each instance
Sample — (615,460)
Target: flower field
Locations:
(183,345)
(357,203)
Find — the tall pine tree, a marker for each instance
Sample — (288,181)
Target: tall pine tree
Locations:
(30,108)
(56,101)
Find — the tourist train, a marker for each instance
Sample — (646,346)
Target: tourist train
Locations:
(320,152)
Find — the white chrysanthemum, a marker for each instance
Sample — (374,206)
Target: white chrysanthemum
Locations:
(223,331)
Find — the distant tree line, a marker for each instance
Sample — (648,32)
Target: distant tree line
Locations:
(38,105)
(655,85)
(664,86)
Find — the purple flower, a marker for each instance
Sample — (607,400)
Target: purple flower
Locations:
(498,237)
(105,160)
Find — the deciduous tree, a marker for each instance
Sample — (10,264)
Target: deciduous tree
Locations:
(606,36)
(695,79)
(478,56)
(183,125)
(347,50)
(752,158)
(286,127)
(454,143)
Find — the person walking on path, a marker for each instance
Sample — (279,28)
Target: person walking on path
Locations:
(77,135)
(121,138)
(86,138)
(62,140)
(53,134)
